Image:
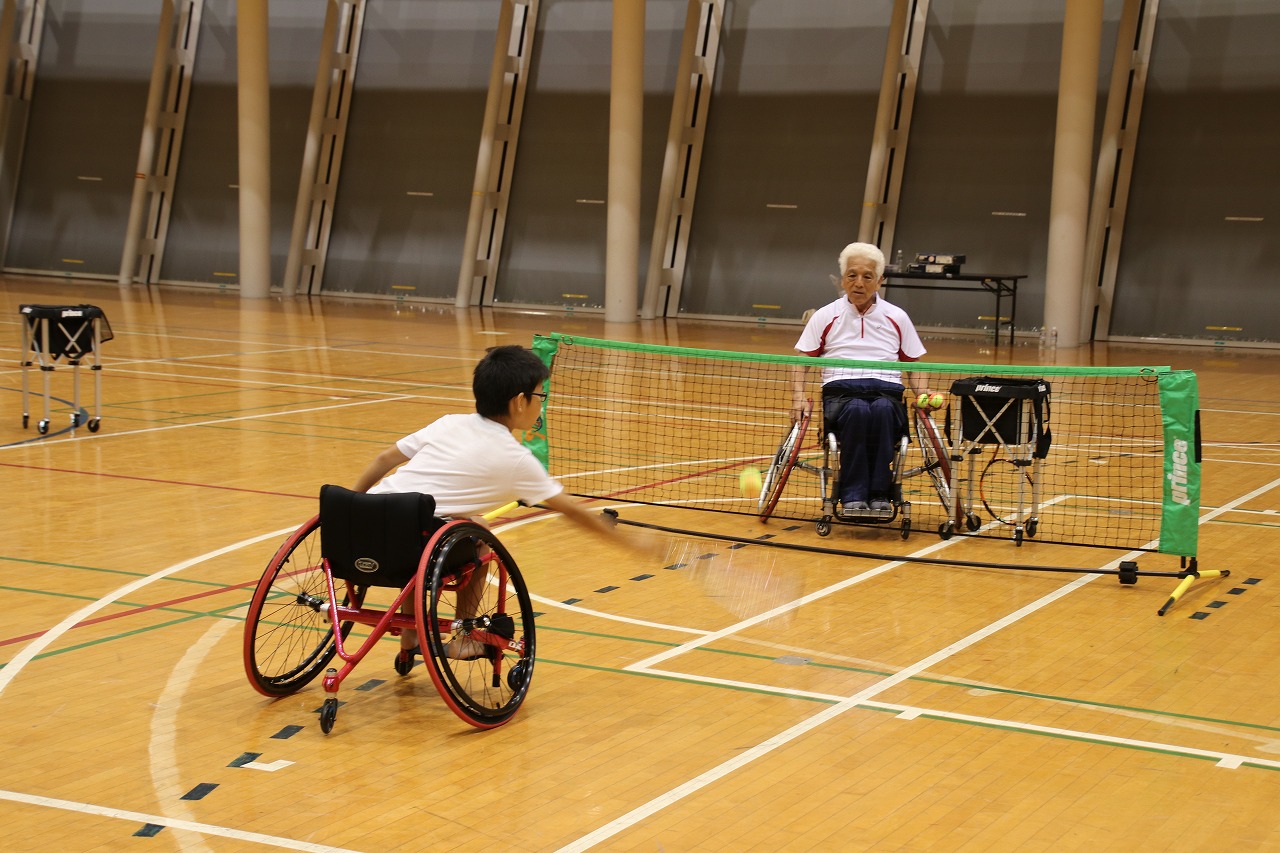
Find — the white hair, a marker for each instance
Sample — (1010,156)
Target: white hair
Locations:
(862,252)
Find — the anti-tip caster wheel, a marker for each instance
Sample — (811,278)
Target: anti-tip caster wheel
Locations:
(944,530)
(824,527)
(43,426)
(404,662)
(328,714)
(972,521)
(906,528)
(93,424)
(519,674)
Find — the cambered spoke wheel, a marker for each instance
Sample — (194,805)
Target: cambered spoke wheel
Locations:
(475,626)
(287,636)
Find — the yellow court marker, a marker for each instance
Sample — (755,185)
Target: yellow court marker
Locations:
(226,274)
(72,261)
(574,295)
(403,287)
(774,307)
(1224,328)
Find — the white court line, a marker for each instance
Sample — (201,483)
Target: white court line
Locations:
(587,611)
(804,727)
(39,644)
(161,820)
(746,757)
(218,421)
(162,752)
(32,649)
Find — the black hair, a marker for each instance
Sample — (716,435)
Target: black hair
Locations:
(503,373)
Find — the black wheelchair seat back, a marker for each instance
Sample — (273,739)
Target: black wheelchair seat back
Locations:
(375,540)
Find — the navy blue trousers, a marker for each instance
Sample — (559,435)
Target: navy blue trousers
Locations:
(868,418)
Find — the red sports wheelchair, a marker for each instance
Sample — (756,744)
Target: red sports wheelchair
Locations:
(457,585)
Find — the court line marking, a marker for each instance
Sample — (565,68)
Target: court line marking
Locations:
(805,726)
(173,823)
(695,784)
(220,421)
(36,646)
(162,751)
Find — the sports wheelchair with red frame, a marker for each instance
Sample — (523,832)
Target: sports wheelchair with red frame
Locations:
(935,462)
(457,585)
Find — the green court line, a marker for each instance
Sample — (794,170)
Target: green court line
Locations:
(944,682)
(97,569)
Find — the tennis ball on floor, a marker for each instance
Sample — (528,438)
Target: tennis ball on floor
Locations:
(750,482)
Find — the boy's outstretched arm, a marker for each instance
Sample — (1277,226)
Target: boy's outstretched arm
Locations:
(379,468)
(646,545)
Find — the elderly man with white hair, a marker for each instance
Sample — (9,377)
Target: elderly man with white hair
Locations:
(862,406)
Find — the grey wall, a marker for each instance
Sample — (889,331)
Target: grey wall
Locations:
(1209,149)
(204,228)
(790,124)
(416,114)
(555,241)
(83,131)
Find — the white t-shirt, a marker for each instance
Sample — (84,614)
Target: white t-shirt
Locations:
(469,464)
(883,333)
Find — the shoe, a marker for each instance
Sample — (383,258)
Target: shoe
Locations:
(853,509)
(881,505)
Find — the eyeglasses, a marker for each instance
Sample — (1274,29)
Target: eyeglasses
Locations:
(542,395)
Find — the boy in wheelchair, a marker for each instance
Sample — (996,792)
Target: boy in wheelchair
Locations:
(862,407)
(471,463)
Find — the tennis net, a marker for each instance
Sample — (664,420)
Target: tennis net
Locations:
(675,426)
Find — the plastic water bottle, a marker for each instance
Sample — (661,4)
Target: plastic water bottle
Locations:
(899,266)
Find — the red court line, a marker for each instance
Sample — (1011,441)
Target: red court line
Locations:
(169,603)
(154,480)
(136,610)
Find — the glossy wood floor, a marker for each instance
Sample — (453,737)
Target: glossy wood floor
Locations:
(755,699)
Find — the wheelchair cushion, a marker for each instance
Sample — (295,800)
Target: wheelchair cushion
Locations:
(375,540)
(833,400)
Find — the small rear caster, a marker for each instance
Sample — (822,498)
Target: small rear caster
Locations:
(328,714)
(26,419)
(905,533)
(75,419)
(43,426)
(1017,537)
(945,530)
(972,521)
(94,423)
(824,527)
(1031,527)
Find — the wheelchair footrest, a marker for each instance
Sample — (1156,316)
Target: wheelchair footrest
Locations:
(867,516)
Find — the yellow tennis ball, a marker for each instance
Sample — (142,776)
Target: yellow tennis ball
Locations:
(750,482)
(922,402)
(937,401)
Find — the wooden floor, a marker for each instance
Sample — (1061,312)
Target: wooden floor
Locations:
(757,699)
